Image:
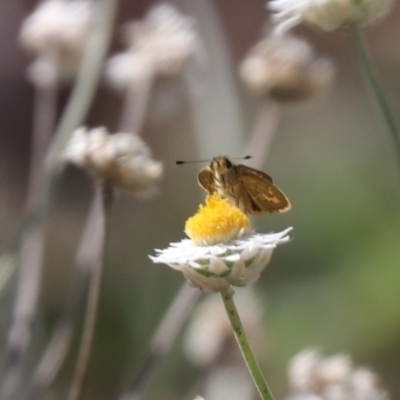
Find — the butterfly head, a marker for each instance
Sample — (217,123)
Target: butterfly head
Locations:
(221,164)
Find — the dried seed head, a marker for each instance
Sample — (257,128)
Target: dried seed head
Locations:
(286,69)
(122,160)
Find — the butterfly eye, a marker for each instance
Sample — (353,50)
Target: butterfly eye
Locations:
(228,164)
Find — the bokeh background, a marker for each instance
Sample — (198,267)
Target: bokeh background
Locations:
(335,286)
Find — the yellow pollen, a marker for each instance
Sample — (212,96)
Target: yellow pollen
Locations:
(216,222)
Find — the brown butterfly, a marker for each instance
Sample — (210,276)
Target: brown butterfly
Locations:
(252,191)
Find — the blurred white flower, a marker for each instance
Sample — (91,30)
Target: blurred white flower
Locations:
(122,160)
(128,70)
(166,36)
(61,28)
(214,268)
(334,370)
(313,378)
(162,44)
(286,69)
(327,14)
(302,370)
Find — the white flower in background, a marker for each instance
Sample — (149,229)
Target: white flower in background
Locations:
(122,160)
(163,44)
(222,252)
(128,70)
(166,36)
(285,69)
(311,377)
(327,14)
(60,28)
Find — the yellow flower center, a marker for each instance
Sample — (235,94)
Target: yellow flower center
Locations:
(216,222)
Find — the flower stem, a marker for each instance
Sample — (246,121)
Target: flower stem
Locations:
(360,48)
(75,112)
(245,348)
(32,242)
(57,347)
(106,194)
(135,106)
(263,133)
(86,84)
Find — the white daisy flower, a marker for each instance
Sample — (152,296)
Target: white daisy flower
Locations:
(230,261)
(327,14)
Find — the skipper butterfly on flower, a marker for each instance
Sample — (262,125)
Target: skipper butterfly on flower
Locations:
(249,189)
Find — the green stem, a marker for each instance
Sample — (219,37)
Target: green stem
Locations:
(361,50)
(245,348)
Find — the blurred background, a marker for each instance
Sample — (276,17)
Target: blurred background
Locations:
(334,287)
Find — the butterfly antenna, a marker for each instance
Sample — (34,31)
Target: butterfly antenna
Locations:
(180,162)
(242,158)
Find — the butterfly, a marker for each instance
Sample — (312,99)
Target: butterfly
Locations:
(249,189)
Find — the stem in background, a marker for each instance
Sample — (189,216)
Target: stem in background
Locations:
(55,352)
(135,106)
(31,257)
(240,335)
(106,194)
(265,128)
(163,338)
(57,348)
(360,48)
(75,111)
(86,83)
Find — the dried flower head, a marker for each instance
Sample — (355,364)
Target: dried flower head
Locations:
(128,70)
(327,14)
(311,377)
(209,340)
(286,69)
(229,260)
(162,45)
(60,28)
(166,36)
(122,160)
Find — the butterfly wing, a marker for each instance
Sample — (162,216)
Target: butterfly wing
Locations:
(205,180)
(244,169)
(257,194)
